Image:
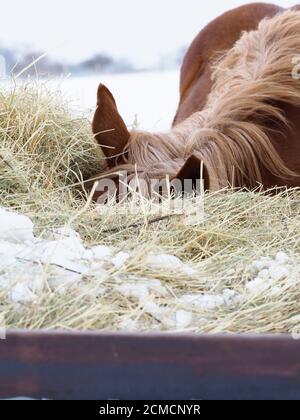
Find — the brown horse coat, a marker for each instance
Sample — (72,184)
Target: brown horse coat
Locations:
(239,110)
(218,36)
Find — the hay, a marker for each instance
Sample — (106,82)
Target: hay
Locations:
(223,284)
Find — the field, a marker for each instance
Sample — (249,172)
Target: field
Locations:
(150,98)
(224,262)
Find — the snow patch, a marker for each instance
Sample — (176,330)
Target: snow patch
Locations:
(183,319)
(169,262)
(209,301)
(267,272)
(120,259)
(29,266)
(15,227)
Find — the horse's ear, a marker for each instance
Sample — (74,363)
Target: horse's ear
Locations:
(108,126)
(194,169)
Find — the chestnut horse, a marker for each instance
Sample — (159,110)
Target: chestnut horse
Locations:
(239,110)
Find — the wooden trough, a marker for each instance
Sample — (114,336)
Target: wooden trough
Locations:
(99,366)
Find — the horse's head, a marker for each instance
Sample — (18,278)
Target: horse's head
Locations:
(145,159)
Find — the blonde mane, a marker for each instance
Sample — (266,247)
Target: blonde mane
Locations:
(232,134)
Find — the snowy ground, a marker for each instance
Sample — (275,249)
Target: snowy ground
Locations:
(29,266)
(152,97)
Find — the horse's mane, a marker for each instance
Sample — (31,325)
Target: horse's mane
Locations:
(232,134)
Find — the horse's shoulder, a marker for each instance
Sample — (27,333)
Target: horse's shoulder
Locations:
(218,36)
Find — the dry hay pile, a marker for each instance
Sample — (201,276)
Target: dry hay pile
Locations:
(234,270)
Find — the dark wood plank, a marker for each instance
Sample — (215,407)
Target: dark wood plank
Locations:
(66,365)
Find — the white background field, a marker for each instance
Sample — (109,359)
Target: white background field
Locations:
(151,96)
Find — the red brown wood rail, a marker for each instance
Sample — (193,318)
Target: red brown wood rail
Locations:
(99,366)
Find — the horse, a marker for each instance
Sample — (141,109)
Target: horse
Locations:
(238,117)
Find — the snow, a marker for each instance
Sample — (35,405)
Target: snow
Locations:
(68,253)
(61,261)
(268,272)
(183,319)
(29,266)
(169,262)
(8,252)
(15,228)
(25,261)
(209,301)
(146,292)
(101,252)
(139,291)
(120,259)
(149,97)
(282,258)
(278,273)
(21,293)
(261,264)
